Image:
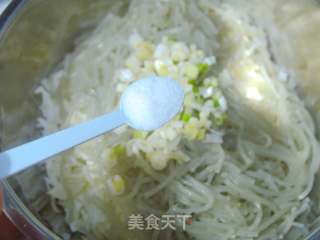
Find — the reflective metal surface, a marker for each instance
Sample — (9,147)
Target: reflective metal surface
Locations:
(34,37)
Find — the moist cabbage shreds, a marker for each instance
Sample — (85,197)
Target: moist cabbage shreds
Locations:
(240,158)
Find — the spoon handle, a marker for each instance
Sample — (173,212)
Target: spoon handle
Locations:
(26,155)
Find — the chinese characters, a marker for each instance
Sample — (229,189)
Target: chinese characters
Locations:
(152,222)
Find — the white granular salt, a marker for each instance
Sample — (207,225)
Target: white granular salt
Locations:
(151,102)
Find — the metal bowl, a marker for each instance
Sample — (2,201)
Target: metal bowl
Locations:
(34,37)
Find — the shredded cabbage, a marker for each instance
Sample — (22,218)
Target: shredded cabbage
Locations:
(241,157)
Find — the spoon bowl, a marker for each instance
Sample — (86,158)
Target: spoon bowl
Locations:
(146,104)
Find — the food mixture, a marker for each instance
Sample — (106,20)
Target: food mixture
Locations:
(238,162)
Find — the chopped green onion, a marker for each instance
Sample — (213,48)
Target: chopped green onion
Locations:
(196,113)
(201,134)
(195,89)
(118,150)
(116,185)
(203,69)
(85,187)
(79,160)
(214,83)
(192,82)
(185,117)
(215,102)
(74,168)
(220,120)
(139,134)
(199,99)
(172,38)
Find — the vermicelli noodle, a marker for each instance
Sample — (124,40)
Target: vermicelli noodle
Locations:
(240,159)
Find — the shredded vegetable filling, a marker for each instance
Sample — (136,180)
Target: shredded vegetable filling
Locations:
(240,159)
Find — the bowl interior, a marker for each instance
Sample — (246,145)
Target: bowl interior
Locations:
(35,36)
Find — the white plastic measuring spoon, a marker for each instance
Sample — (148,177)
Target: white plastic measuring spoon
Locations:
(146,104)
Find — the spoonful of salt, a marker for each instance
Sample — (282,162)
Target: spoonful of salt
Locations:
(146,105)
